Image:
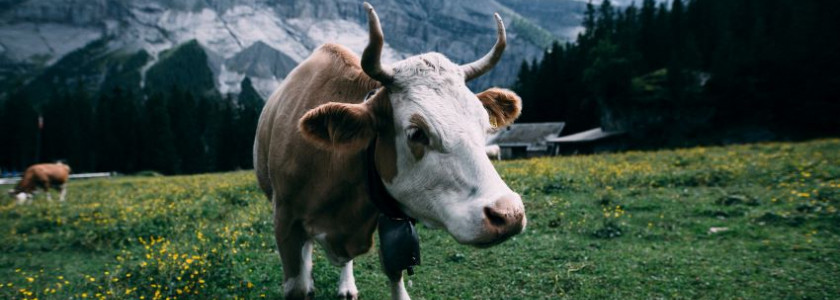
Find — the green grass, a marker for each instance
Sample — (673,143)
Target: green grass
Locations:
(616,226)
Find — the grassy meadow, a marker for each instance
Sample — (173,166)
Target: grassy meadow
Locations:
(754,221)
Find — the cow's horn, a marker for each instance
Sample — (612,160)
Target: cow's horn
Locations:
(477,68)
(373,51)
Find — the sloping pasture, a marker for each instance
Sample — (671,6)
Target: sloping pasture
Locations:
(753,221)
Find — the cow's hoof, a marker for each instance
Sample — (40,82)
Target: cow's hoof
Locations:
(348,295)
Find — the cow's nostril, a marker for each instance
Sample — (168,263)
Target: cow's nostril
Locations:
(496,218)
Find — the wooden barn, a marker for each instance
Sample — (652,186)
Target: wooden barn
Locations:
(526,139)
(586,142)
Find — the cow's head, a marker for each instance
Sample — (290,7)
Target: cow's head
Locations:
(429,131)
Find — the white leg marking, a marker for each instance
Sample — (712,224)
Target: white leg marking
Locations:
(347,283)
(63,192)
(302,282)
(398,291)
(49,196)
(21,198)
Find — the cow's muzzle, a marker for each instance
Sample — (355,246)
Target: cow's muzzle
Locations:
(502,220)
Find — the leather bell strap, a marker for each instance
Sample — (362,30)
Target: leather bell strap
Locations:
(399,244)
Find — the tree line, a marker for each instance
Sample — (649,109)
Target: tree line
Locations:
(693,71)
(172,131)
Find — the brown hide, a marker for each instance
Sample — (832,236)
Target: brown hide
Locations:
(315,191)
(43,176)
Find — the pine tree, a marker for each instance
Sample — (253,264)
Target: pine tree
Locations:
(250,106)
(208,120)
(106,144)
(58,128)
(3,150)
(647,35)
(160,153)
(677,80)
(80,155)
(660,52)
(117,127)
(523,83)
(226,136)
(609,80)
(586,38)
(182,112)
(606,21)
(20,124)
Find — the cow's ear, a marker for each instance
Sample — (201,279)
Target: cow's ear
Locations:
(338,126)
(503,106)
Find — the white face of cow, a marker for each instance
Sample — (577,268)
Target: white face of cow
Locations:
(443,176)
(430,132)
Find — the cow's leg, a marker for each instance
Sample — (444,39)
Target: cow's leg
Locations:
(398,291)
(22,198)
(296,254)
(63,192)
(347,283)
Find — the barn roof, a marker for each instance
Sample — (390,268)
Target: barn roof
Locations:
(585,136)
(526,134)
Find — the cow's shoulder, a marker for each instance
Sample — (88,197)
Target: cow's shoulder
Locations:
(340,54)
(333,73)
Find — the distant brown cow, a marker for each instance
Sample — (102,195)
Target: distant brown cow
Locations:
(43,176)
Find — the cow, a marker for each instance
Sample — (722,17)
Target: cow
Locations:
(43,176)
(420,129)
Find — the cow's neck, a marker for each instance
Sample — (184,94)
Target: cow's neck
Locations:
(399,244)
(380,197)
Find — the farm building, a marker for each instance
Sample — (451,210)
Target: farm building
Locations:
(526,139)
(586,142)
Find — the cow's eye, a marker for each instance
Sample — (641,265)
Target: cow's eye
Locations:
(417,135)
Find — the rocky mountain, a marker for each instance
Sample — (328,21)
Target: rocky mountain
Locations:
(46,44)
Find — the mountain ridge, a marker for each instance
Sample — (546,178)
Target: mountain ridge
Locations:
(37,34)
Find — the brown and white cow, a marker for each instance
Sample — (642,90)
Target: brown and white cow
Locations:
(427,132)
(43,176)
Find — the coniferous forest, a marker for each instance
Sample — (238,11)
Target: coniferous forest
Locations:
(694,72)
(171,131)
(675,73)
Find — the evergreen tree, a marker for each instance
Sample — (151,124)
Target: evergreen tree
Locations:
(160,153)
(106,143)
(647,35)
(606,21)
(80,153)
(609,79)
(660,50)
(208,120)
(250,106)
(586,38)
(523,85)
(4,168)
(20,123)
(677,80)
(226,136)
(117,116)
(182,112)
(58,128)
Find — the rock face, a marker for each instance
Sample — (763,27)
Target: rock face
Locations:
(561,18)
(261,61)
(264,39)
